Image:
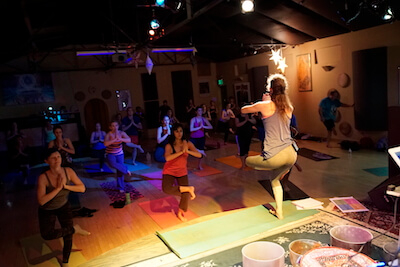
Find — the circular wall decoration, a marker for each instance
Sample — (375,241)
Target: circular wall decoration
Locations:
(80,96)
(343,80)
(106,94)
(338,116)
(345,128)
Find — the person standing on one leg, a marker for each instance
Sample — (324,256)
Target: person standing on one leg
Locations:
(98,147)
(198,125)
(53,189)
(328,111)
(131,126)
(278,155)
(115,153)
(175,169)
(244,132)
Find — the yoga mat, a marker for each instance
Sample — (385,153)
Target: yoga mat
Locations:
(42,253)
(206,171)
(95,168)
(163,211)
(314,155)
(139,166)
(290,190)
(188,241)
(113,193)
(381,171)
(154,178)
(235,161)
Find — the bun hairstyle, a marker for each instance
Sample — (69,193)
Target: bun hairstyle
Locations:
(278,83)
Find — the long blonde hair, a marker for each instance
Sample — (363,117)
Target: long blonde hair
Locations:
(279,85)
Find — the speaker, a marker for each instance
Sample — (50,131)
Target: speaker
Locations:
(378,194)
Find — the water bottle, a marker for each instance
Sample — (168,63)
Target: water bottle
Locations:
(127,198)
(148,157)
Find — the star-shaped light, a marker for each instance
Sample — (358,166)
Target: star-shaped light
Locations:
(282,65)
(149,64)
(135,59)
(276,56)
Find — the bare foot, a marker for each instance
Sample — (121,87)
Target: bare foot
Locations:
(129,173)
(200,168)
(181,215)
(188,189)
(140,149)
(276,214)
(80,231)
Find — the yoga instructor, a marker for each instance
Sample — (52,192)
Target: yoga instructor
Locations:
(279,154)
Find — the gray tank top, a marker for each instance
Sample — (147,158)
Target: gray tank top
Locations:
(60,199)
(277,135)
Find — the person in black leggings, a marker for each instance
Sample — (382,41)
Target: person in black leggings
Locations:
(54,186)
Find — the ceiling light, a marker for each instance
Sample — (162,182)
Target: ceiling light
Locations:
(160,3)
(247,6)
(154,24)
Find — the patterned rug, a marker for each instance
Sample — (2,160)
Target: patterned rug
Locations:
(316,230)
(113,193)
(374,217)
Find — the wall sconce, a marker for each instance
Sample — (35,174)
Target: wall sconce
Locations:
(328,68)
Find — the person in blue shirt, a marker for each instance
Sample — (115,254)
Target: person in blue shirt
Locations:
(328,112)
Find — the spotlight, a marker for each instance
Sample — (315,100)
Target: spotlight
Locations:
(247,6)
(154,24)
(152,32)
(160,3)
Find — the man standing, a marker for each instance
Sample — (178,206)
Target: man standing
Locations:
(130,125)
(328,111)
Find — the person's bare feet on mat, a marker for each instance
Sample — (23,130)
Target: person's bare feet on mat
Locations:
(181,215)
(273,211)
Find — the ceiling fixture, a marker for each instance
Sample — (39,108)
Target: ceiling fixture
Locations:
(388,15)
(174,49)
(100,52)
(160,3)
(247,6)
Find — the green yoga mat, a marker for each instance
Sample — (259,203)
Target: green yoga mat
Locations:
(223,230)
(381,171)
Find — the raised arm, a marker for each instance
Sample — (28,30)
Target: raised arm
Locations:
(192,150)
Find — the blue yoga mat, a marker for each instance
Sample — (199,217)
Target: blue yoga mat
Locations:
(223,230)
(139,166)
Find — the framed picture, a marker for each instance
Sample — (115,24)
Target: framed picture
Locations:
(24,89)
(303,64)
(204,88)
(242,93)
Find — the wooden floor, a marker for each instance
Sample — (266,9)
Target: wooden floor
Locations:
(112,228)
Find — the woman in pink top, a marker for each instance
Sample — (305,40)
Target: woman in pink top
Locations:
(197,136)
(176,153)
